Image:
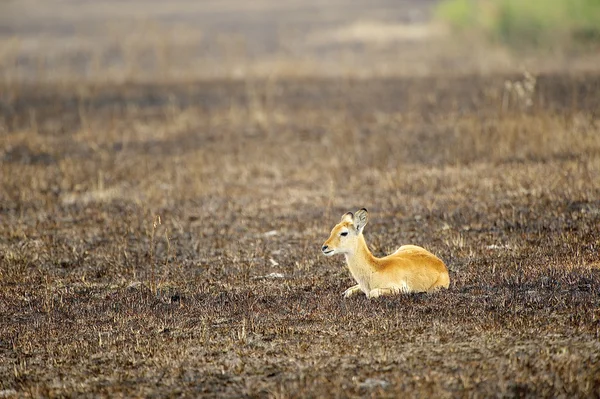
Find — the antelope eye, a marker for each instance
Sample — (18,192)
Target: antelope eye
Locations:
(344,234)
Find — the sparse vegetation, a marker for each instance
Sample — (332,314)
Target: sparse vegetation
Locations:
(163,239)
(542,24)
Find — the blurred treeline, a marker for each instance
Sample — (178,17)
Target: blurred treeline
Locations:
(527,24)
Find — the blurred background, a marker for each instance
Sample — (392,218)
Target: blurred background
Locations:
(149,40)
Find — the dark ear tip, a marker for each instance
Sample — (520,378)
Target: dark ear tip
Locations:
(364,209)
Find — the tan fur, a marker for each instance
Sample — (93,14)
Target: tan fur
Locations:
(409,269)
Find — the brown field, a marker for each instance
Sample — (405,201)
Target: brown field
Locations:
(142,222)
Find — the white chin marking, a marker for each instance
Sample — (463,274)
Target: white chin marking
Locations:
(330,253)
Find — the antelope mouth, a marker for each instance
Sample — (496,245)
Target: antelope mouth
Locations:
(328,253)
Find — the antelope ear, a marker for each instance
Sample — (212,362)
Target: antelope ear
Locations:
(348,217)
(360,219)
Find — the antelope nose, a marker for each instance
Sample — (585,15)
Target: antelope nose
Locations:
(324,248)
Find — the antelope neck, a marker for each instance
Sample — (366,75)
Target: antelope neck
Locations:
(361,257)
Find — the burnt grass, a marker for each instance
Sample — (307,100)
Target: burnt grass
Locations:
(140,226)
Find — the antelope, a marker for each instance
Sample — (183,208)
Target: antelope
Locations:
(409,269)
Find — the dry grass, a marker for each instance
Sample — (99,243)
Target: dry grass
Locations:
(247,178)
(163,238)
